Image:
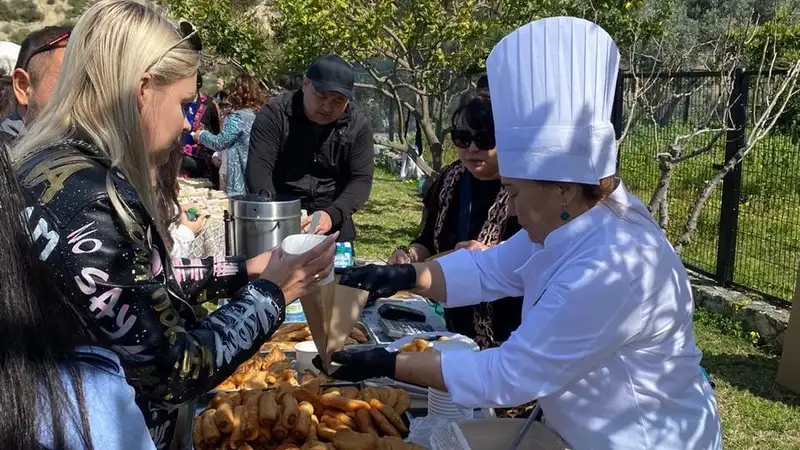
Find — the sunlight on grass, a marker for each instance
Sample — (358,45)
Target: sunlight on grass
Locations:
(390,218)
(756,412)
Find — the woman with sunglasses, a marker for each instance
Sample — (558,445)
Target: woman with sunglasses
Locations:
(467,207)
(86,170)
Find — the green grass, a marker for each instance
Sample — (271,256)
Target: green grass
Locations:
(756,412)
(390,218)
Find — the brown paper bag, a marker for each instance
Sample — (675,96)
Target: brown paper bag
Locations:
(331,312)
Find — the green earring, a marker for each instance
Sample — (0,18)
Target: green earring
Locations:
(565,214)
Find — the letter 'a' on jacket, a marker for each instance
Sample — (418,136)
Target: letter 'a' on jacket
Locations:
(90,227)
(329,168)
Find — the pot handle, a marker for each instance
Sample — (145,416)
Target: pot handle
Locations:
(230,235)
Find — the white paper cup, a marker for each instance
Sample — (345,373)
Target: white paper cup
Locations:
(304,353)
(298,244)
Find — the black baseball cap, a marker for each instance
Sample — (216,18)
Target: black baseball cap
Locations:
(331,73)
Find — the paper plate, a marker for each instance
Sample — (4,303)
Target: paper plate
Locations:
(433,335)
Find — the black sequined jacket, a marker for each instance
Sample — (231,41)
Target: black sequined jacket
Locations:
(90,227)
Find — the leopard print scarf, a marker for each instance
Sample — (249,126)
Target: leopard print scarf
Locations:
(490,235)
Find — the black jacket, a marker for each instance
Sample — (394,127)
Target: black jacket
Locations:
(328,168)
(90,227)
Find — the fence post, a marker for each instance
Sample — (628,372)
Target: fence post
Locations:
(732,183)
(392,119)
(616,111)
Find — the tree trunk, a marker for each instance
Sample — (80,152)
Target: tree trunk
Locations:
(697,208)
(433,144)
(660,199)
(405,148)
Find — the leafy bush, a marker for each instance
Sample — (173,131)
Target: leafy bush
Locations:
(20,11)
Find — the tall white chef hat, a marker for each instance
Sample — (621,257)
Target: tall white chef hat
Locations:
(552,84)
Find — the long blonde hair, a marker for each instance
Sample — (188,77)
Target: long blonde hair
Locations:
(113,44)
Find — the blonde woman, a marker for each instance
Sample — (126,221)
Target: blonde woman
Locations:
(96,222)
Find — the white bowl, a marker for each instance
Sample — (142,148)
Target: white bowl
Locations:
(304,353)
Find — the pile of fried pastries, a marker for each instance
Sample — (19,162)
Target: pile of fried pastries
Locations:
(305,417)
(261,371)
(290,334)
(420,345)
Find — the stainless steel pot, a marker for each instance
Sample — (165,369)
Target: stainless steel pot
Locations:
(257,223)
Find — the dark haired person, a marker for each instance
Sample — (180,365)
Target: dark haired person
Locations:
(467,207)
(59,391)
(315,145)
(233,141)
(33,78)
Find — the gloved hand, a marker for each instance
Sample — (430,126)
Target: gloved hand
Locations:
(359,366)
(380,281)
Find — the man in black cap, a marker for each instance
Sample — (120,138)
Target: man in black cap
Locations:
(313,144)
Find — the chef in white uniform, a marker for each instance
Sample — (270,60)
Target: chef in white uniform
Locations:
(606,342)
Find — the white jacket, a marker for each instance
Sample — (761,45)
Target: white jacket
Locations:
(606,341)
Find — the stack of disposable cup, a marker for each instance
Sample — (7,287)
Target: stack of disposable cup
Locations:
(440,404)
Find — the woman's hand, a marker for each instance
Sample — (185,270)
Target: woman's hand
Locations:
(471,245)
(406,255)
(196,226)
(296,276)
(400,256)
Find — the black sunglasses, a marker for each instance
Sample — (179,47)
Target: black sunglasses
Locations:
(52,45)
(482,139)
(188,34)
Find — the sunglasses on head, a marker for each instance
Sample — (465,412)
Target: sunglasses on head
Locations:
(52,45)
(189,34)
(464,138)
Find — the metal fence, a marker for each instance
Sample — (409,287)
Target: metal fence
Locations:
(748,232)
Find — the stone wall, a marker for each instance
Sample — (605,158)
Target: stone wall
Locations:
(756,315)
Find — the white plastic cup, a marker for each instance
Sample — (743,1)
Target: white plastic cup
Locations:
(304,353)
(298,244)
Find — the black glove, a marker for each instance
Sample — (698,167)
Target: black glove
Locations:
(358,366)
(381,281)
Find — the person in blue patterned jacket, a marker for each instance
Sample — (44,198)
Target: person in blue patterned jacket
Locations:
(246,97)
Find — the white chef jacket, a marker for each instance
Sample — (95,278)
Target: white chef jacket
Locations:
(606,342)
